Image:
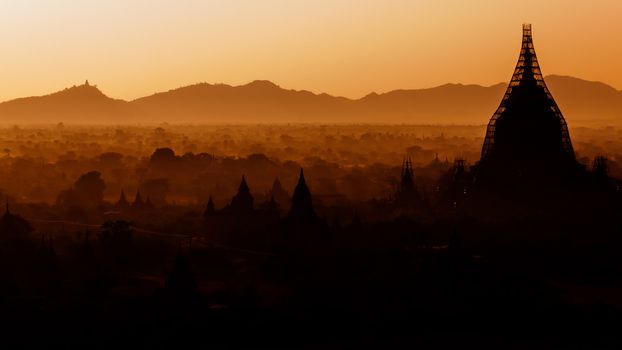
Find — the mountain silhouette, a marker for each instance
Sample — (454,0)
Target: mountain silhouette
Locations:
(256,102)
(83,103)
(582,102)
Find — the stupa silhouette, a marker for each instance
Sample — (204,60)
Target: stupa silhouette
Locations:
(527,138)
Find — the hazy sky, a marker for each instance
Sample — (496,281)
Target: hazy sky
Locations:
(132,48)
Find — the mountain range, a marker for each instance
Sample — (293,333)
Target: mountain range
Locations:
(582,102)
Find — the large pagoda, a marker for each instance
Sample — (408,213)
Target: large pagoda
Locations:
(527,138)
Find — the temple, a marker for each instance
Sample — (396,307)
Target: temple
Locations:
(407,193)
(302,202)
(527,137)
(242,202)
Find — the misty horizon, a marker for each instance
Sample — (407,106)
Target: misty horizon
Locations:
(317,93)
(586,103)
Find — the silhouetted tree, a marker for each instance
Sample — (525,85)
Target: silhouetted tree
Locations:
(90,187)
(86,192)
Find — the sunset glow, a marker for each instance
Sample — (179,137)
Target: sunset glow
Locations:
(133,48)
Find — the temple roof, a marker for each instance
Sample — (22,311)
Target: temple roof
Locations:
(528,120)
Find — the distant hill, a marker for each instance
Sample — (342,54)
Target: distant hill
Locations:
(582,102)
(256,102)
(585,102)
(84,103)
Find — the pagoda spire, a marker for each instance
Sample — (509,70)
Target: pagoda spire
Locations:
(302,202)
(122,202)
(210,209)
(528,121)
(407,184)
(138,201)
(243,201)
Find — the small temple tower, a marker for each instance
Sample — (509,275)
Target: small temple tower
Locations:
(210,209)
(122,203)
(279,194)
(407,191)
(138,201)
(242,202)
(302,202)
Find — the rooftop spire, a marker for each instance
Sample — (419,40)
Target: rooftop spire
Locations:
(301,177)
(243,186)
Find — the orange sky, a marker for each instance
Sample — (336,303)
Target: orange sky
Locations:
(132,48)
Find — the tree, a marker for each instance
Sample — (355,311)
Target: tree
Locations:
(163,155)
(87,191)
(90,188)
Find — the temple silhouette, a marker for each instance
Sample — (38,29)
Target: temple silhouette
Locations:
(528,122)
(527,143)
(407,191)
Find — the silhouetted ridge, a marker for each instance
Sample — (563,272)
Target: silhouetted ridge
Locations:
(83,103)
(85,90)
(264,101)
(262,84)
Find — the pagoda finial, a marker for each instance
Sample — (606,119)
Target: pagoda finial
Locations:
(301,178)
